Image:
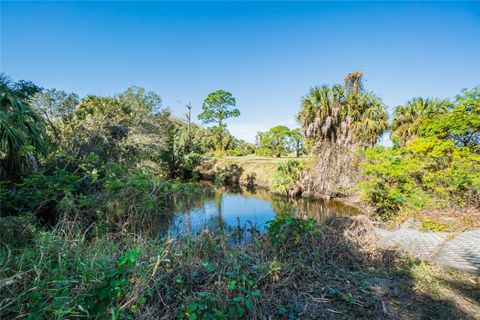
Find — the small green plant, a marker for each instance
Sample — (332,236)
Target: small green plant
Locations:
(115,286)
(285,228)
(345,297)
(203,307)
(244,289)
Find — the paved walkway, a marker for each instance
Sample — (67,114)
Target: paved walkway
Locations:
(457,250)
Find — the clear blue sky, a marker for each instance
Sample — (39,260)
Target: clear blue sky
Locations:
(267,54)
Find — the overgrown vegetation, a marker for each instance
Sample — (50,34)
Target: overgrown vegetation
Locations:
(82,178)
(437,163)
(337,121)
(296,270)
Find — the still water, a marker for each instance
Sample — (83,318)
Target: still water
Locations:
(230,208)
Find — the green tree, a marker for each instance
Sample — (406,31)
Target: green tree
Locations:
(296,141)
(24,89)
(182,146)
(461,124)
(118,128)
(275,141)
(343,115)
(56,106)
(22,130)
(407,119)
(217,108)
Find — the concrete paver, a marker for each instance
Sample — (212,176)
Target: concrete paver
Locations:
(457,250)
(461,252)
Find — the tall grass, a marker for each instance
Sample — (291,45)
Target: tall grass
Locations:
(295,270)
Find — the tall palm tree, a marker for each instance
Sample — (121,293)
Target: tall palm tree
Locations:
(408,118)
(343,115)
(22,130)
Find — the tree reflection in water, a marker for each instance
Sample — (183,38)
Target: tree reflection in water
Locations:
(239,207)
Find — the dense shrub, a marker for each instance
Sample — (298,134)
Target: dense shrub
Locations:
(109,195)
(73,281)
(426,172)
(242,150)
(287,174)
(265,152)
(437,166)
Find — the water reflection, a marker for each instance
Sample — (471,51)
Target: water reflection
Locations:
(245,207)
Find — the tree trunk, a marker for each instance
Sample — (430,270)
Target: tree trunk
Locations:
(220,134)
(189,117)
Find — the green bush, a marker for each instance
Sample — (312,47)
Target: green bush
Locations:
(267,152)
(426,172)
(286,230)
(437,166)
(109,194)
(239,152)
(71,280)
(287,174)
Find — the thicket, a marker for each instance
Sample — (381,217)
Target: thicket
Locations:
(77,175)
(111,157)
(435,164)
(297,269)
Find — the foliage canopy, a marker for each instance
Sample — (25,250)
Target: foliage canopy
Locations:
(438,162)
(408,118)
(343,114)
(22,129)
(218,107)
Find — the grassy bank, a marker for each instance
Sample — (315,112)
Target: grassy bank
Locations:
(246,170)
(296,270)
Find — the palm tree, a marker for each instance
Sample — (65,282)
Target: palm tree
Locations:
(408,118)
(343,115)
(22,130)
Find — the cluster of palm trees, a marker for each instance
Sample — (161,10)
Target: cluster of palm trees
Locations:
(343,114)
(408,118)
(350,116)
